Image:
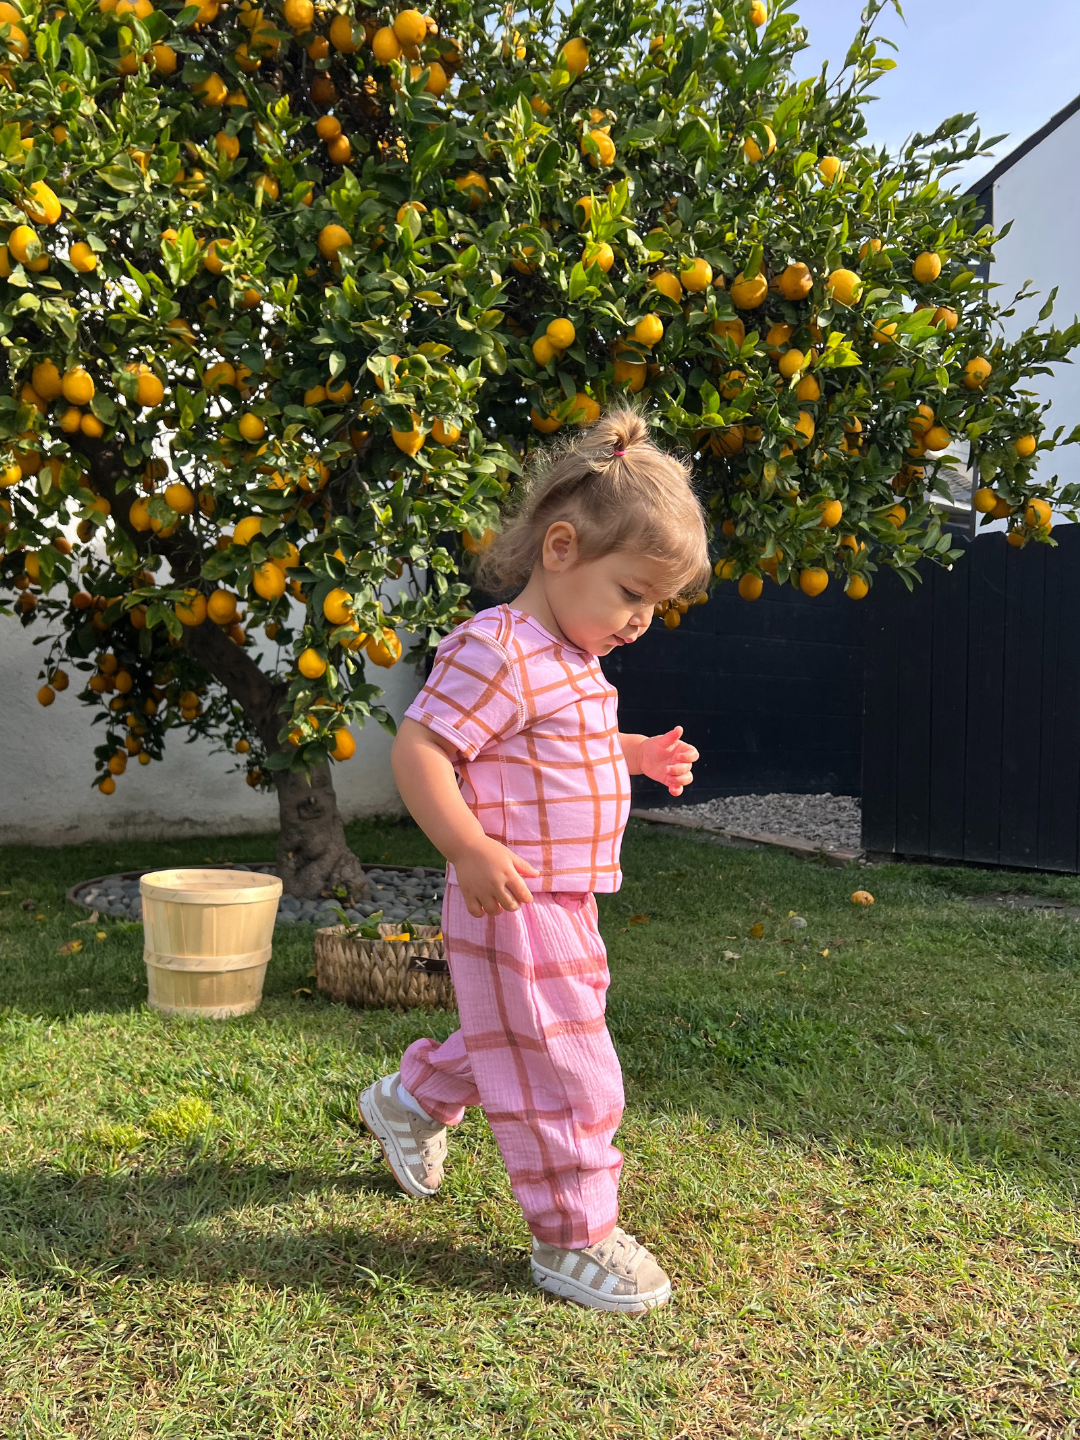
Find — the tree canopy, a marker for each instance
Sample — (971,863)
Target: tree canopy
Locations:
(290,291)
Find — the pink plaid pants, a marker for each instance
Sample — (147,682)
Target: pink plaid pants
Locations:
(534,1051)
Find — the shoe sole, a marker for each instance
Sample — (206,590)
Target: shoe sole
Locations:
(389,1146)
(568,1289)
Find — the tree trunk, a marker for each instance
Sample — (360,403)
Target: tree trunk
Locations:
(313,857)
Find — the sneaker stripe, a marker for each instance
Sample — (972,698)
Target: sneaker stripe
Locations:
(589,1274)
(610,1285)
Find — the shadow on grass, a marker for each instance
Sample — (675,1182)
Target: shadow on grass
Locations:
(201,1224)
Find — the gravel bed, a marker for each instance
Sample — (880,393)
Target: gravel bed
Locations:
(401,895)
(833,821)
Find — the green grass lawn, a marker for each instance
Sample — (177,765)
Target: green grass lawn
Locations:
(853,1145)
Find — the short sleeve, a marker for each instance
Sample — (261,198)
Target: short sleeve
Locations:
(472,697)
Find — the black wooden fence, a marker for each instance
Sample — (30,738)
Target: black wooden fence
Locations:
(971,745)
(770,692)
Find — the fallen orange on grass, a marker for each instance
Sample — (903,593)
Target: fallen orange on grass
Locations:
(862,897)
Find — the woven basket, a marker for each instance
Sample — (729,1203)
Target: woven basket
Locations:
(373,974)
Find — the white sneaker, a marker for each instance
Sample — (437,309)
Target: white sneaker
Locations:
(614,1274)
(413,1147)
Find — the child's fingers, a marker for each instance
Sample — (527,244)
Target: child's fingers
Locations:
(669,741)
(523,867)
(509,894)
(685,753)
(518,890)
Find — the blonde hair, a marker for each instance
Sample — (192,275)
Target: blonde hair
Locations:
(619,490)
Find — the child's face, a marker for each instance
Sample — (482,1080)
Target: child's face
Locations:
(601,604)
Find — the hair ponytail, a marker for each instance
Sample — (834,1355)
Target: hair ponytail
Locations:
(619,489)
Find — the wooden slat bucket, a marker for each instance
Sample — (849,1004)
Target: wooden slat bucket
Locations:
(207,939)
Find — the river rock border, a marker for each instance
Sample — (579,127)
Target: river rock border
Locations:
(401,892)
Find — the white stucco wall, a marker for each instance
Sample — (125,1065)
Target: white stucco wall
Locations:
(47,767)
(1040,194)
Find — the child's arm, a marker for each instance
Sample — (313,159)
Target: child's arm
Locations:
(666,758)
(488,874)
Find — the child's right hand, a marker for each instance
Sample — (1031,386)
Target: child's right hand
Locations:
(489,878)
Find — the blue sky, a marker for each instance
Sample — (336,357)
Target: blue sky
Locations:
(1012,63)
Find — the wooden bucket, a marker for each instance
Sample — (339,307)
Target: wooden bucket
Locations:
(377,973)
(207,939)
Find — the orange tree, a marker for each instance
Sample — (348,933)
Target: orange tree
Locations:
(290,290)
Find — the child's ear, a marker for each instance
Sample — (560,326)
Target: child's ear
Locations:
(560,546)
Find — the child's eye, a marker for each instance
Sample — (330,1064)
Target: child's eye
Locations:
(631,596)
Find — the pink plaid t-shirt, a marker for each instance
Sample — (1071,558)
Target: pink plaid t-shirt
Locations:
(536,728)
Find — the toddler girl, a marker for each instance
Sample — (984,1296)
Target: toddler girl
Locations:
(512,763)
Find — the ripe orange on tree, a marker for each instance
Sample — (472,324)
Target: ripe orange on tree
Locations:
(668,284)
(830,167)
(813,580)
(598,253)
(697,275)
(795,282)
(976,372)
(344,745)
(383,648)
(753,151)
(269,581)
(1037,513)
(561,334)
(845,286)
(311,664)
(926,267)
(475,546)
(748,294)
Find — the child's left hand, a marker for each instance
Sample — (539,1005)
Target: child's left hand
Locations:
(668,759)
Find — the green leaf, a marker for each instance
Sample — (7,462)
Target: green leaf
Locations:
(80,59)
(103,407)
(546,165)
(124,178)
(346,197)
(140,279)
(11,143)
(579,282)
(1047,309)
(427,152)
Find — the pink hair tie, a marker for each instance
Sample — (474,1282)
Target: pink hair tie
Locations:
(618,452)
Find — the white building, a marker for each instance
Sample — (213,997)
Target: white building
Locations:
(47,769)
(1035,188)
